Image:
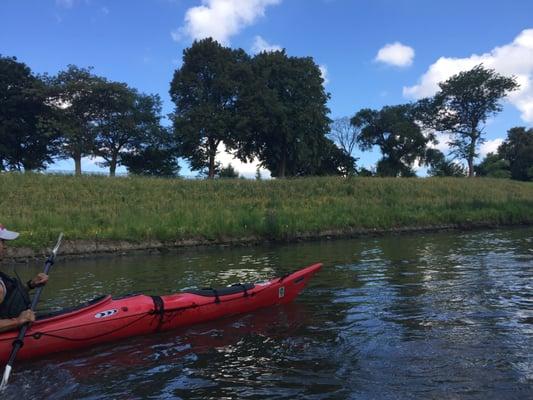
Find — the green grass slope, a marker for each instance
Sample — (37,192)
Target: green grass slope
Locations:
(138,209)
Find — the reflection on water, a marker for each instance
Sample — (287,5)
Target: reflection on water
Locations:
(446,315)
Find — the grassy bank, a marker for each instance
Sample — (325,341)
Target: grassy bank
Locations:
(139,209)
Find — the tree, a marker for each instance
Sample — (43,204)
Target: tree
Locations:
(155,155)
(25,142)
(205,90)
(126,120)
(463,104)
(517,149)
(228,172)
(330,160)
(493,166)
(284,114)
(394,130)
(440,166)
(344,134)
(76,96)
(365,172)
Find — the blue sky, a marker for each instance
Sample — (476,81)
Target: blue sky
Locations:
(141,41)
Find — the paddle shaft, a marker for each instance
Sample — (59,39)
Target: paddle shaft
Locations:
(19,341)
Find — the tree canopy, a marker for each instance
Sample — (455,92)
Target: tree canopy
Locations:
(517,149)
(441,167)
(463,104)
(26,143)
(127,120)
(205,91)
(394,130)
(155,155)
(285,114)
(493,166)
(77,95)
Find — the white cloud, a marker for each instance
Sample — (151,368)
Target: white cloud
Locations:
(515,58)
(490,146)
(396,54)
(443,138)
(324,73)
(221,19)
(261,45)
(247,170)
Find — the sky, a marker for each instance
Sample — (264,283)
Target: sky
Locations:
(371,53)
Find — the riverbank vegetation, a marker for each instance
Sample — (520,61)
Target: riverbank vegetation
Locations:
(139,209)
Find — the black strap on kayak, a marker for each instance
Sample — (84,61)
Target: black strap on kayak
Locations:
(217,299)
(243,288)
(215,293)
(159,308)
(283,277)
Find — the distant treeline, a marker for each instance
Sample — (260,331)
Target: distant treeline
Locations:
(271,107)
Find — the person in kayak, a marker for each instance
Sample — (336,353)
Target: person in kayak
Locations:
(14,296)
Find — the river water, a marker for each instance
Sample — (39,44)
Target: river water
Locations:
(441,316)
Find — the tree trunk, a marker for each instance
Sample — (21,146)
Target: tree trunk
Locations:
(470,167)
(113,165)
(282,166)
(211,174)
(471,154)
(77,164)
(213,146)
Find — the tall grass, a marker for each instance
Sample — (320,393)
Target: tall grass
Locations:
(139,209)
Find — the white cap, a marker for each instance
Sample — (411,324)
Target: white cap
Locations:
(7,235)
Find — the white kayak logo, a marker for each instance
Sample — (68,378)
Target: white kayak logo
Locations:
(106,313)
(281,292)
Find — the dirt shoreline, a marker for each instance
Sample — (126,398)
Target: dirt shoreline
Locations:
(87,248)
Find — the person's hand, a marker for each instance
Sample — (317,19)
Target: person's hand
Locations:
(39,280)
(26,316)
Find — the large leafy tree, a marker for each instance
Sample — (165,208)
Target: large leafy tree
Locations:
(155,155)
(77,96)
(285,114)
(126,120)
(493,166)
(395,131)
(517,149)
(333,160)
(25,142)
(462,106)
(205,90)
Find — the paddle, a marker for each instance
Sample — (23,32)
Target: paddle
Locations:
(19,342)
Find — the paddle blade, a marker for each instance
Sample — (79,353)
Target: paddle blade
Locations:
(58,244)
(5,378)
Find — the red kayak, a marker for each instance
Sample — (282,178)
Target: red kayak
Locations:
(107,319)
